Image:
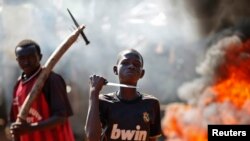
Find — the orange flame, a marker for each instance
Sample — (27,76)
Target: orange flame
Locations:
(177,126)
(227,102)
(236,86)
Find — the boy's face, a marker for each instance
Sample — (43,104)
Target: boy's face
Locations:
(129,68)
(28,59)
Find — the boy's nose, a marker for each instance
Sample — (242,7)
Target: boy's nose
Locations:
(25,62)
(131,66)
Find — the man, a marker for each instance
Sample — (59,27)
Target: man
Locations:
(48,116)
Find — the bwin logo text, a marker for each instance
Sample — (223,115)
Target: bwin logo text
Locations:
(121,134)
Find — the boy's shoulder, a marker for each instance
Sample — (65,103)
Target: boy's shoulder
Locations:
(113,94)
(148,96)
(54,75)
(54,78)
(109,97)
(112,97)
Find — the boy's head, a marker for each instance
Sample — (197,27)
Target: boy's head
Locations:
(28,55)
(132,51)
(129,66)
(30,47)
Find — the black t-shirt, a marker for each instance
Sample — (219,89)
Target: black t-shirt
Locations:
(138,119)
(56,95)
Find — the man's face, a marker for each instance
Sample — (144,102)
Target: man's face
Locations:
(130,68)
(28,59)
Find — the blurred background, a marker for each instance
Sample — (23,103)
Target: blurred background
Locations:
(172,35)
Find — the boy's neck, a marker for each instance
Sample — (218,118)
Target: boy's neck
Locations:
(128,93)
(25,76)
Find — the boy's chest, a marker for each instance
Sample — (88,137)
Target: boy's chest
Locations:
(129,122)
(130,115)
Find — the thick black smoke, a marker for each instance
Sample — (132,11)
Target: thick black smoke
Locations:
(216,15)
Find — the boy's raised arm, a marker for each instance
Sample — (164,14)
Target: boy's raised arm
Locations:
(93,127)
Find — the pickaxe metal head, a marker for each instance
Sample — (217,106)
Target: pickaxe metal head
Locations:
(77,25)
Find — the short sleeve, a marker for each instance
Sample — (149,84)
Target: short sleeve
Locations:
(56,95)
(155,127)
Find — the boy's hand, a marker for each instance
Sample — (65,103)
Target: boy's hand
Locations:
(96,83)
(7,132)
(19,128)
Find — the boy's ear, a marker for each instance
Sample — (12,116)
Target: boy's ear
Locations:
(115,70)
(142,73)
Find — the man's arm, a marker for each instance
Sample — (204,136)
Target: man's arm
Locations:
(93,123)
(19,128)
(56,97)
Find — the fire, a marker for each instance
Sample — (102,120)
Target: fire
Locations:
(234,90)
(226,101)
(178,125)
(236,87)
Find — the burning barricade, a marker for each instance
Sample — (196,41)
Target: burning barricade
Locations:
(220,96)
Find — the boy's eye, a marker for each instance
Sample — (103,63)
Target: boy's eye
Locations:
(27,57)
(125,63)
(21,58)
(137,64)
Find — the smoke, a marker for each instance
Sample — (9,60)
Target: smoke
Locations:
(208,69)
(222,23)
(163,31)
(222,73)
(216,15)
(152,27)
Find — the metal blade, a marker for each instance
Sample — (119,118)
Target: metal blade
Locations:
(72,17)
(77,25)
(120,85)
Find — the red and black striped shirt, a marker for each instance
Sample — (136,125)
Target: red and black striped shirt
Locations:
(52,101)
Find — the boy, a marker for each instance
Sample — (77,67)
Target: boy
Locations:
(125,114)
(48,116)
